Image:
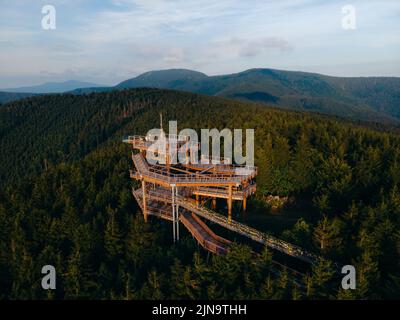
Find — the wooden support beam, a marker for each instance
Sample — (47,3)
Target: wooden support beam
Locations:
(214,203)
(197,200)
(144,200)
(187,155)
(206,169)
(244,204)
(173,212)
(230,204)
(167,160)
(172,168)
(177,222)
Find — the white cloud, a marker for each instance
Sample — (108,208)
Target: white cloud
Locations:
(120,38)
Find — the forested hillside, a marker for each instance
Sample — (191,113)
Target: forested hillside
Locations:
(66,201)
(12,96)
(373,99)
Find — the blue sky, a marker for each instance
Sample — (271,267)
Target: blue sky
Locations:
(112,40)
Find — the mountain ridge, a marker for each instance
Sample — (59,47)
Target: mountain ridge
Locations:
(374,99)
(52,87)
(363,98)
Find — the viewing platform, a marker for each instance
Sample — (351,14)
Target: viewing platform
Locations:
(178,193)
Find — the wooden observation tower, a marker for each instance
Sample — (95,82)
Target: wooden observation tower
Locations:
(179,191)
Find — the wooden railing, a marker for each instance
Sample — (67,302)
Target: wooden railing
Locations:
(152,209)
(249,232)
(146,170)
(221,163)
(145,142)
(223,192)
(227,168)
(202,235)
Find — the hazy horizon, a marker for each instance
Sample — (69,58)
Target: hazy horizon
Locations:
(222,74)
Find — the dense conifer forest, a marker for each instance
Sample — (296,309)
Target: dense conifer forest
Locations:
(65,200)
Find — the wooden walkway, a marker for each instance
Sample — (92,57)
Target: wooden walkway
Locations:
(163,177)
(199,230)
(203,234)
(167,192)
(164,196)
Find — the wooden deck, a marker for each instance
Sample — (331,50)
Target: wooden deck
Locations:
(223,192)
(163,177)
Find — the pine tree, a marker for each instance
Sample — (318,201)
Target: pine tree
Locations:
(368,277)
(322,274)
(112,236)
(327,234)
(284,286)
(178,288)
(267,289)
(141,244)
(191,285)
(300,234)
(129,293)
(297,293)
(202,274)
(154,284)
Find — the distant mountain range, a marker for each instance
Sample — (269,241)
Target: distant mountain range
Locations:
(12,94)
(362,98)
(54,87)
